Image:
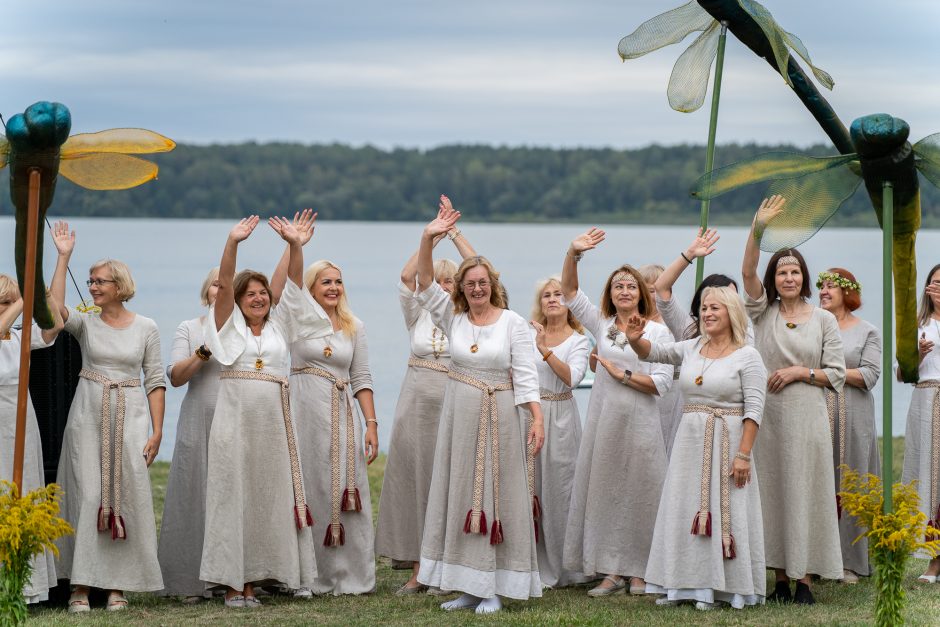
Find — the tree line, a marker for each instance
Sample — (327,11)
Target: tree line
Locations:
(647,185)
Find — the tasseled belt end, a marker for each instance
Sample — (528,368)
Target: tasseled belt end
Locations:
(302,516)
(335,535)
(476,522)
(351,500)
(536,506)
(702,524)
(727,545)
(118,531)
(536,523)
(496,537)
(104,518)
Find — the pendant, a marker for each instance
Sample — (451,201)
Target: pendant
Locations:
(259,364)
(791,325)
(474,348)
(327,351)
(6,336)
(698,380)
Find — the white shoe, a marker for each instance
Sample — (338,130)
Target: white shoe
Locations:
(463,602)
(704,607)
(849,576)
(666,602)
(927,579)
(303,593)
(489,606)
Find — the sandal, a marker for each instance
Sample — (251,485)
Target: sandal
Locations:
(78,603)
(406,590)
(616,587)
(927,579)
(252,602)
(116,602)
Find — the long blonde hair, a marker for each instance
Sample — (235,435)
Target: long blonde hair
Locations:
(497,292)
(211,278)
(347,321)
(539,316)
(728,297)
(925,312)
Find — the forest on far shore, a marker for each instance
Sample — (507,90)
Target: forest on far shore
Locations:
(510,184)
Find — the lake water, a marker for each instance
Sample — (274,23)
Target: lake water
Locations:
(170,258)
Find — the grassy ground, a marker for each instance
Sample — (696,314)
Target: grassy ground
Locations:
(836,604)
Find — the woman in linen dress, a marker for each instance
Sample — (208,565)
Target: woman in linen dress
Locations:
(410,464)
(622,459)
(479,537)
(184,511)
(258,525)
(562,360)
(852,413)
(922,437)
(723,382)
(43,574)
(108,445)
(802,349)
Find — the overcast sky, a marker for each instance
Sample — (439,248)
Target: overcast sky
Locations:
(420,73)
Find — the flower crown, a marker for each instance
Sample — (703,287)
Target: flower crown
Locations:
(839,280)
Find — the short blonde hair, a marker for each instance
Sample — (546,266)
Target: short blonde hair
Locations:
(728,297)
(211,278)
(347,321)
(497,291)
(9,288)
(444,269)
(650,272)
(120,274)
(539,316)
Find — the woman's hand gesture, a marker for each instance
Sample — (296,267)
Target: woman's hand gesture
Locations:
(446,218)
(587,241)
(286,229)
(769,209)
(924,346)
(703,245)
(613,370)
(243,229)
(539,337)
(63,239)
(305,223)
(636,325)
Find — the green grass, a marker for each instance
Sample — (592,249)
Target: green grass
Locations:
(836,604)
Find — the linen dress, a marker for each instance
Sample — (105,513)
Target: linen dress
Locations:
(920,436)
(43,575)
(184,510)
(251,532)
(684,566)
(91,557)
(622,459)
(452,559)
(410,464)
(349,567)
(555,464)
(861,344)
(794,450)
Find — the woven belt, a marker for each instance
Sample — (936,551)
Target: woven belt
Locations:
(932,507)
(555,396)
(833,399)
(349,499)
(109,509)
(417,362)
(702,521)
(488,427)
(302,515)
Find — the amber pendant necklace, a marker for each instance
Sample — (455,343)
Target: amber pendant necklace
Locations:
(699,380)
(259,341)
(327,350)
(476,331)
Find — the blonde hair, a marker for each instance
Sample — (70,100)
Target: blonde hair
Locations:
(645,307)
(925,311)
(539,316)
(120,274)
(651,272)
(497,292)
(728,297)
(444,269)
(347,321)
(9,288)
(211,278)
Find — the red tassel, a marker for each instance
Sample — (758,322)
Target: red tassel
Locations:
(475,522)
(302,517)
(702,524)
(118,531)
(536,506)
(335,535)
(536,523)
(839,506)
(104,518)
(351,501)
(729,547)
(496,537)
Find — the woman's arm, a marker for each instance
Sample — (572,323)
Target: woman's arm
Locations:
(225,297)
(559,367)
(64,241)
(155,385)
(49,335)
(769,209)
(156,399)
(702,246)
(569,270)
(184,363)
(305,222)
(869,368)
(371,436)
(460,241)
(445,220)
(8,317)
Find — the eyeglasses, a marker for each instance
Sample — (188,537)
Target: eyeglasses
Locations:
(98,282)
(471,285)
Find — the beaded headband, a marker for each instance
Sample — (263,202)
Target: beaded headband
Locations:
(788,260)
(839,280)
(624,276)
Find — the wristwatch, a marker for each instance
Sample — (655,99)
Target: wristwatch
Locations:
(203,353)
(626,376)
(812,377)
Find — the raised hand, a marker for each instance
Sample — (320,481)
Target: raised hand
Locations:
(63,239)
(287,230)
(445,203)
(588,240)
(635,327)
(446,218)
(243,229)
(305,222)
(539,336)
(703,244)
(769,209)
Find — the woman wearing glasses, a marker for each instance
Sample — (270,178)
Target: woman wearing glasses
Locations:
(479,537)
(112,436)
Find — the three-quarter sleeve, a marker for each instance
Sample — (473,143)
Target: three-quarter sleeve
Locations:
(756,307)
(36,340)
(832,361)
(439,305)
(525,374)
(753,383)
(870,364)
(410,308)
(588,314)
(578,357)
(678,322)
(75,324)
(301,317)
(661,374)
(670,352)
(152,363)
(181,348)
(360,377)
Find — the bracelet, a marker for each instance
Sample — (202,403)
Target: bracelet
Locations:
(577,256)
(203,353)
(689,261)
(368,420)
(453,234)
(547,355)
(626,376)
(742,457)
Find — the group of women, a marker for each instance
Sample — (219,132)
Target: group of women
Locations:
(710,452)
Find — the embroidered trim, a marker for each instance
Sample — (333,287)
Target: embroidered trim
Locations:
(417,362)
(837,416)
(556,396)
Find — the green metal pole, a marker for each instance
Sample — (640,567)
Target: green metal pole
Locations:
(712,129)
(887,378)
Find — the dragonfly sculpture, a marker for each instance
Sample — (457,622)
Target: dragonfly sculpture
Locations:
(756,28)
(39,139)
